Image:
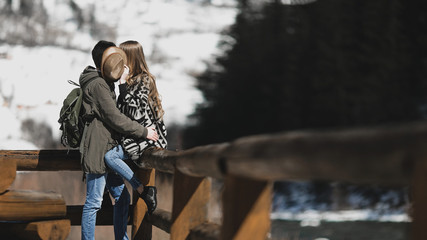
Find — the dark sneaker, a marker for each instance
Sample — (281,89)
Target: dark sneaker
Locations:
(149,195)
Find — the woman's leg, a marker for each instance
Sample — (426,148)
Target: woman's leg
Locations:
(114,160)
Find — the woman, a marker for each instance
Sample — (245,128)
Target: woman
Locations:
(140,100)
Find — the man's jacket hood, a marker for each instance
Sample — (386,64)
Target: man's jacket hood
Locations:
(89,73)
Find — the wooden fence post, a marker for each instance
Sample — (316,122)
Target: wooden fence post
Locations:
(419,207)
(140,228)
(8,168)
(246,208)
(190,204)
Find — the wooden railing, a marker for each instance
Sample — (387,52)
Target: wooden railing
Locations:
(388,155)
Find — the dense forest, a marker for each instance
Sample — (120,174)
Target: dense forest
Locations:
(327,64)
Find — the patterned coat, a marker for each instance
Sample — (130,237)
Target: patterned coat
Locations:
(133,102)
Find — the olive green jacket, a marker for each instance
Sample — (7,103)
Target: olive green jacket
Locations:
(105,122)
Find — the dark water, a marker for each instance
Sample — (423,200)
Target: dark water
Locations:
(352,230)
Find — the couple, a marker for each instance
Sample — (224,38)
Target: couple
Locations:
(115,132)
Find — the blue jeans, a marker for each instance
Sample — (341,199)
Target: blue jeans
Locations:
(114,160)
(95,186)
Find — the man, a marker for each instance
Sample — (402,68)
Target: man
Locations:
(104,126)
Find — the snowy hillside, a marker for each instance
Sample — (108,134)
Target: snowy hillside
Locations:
(178,38)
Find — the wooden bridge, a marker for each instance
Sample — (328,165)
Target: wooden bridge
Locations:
(388,155)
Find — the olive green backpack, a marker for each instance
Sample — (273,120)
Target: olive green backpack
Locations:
(70,118)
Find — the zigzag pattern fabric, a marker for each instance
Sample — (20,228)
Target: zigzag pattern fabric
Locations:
(135,105)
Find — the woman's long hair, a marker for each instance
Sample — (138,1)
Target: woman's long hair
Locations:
(137,69)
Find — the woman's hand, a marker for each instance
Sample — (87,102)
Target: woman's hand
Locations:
(125,75)
(152,134)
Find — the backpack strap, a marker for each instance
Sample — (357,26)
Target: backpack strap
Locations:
(83,138)
(73,83)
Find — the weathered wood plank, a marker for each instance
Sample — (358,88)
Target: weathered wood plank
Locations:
(43,160)
(246,208)
(382,155)
(204,161)
(8,169)
(19,205)
(189,206)
(161,219)
(43,230)
(158,158)
(205,231)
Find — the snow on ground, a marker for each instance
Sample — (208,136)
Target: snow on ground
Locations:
(36,81)
(314,217)
(39,75)
(181,34)
(10,137)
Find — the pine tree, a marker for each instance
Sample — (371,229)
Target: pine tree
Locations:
(322,65)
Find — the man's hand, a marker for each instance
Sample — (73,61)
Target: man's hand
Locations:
(152,134)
